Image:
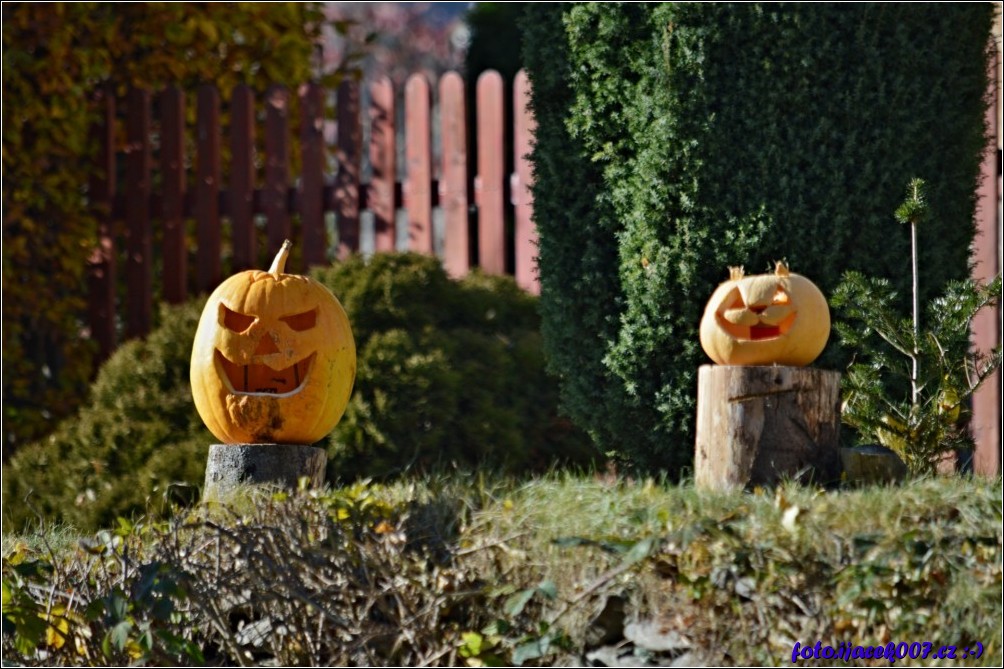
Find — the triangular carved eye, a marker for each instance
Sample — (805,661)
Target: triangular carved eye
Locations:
(301,322)
(233,320)
(780,297)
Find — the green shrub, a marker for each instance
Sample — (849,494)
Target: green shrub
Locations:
(680,138)
(450,374)
(138,433)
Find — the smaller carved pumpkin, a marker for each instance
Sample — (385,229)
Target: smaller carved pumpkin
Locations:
(765,319)
(274,360)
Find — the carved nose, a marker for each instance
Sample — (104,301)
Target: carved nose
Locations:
(266,346)
(758,310)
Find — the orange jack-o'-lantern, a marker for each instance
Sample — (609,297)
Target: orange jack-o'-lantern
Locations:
(766,319)
(274,359)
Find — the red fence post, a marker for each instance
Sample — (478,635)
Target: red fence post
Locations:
(312,177)
(275,197)
(207,189)
(172,166)
(453,179)
(418,152)
(489,185)
(139,245)
(986,327)
(242,179)
(346,191)
(524,127)
(383,158)
(102,261)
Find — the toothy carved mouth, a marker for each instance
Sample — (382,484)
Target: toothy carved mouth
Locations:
(758,332)
(256,379)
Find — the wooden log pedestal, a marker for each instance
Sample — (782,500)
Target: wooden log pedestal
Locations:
(233,465)
(764,425)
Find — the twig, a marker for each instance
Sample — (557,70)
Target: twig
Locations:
(500,542)
(604,578)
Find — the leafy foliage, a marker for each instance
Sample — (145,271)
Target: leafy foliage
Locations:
(138,435)
(450,374)
(56,58)
(909,386)
(677,139)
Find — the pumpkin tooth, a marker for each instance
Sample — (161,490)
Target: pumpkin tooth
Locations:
(740,316)
(774,314)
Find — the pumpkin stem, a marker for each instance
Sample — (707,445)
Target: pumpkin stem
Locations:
(781,269)
(279,264)
(736,273)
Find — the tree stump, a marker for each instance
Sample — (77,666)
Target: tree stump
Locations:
(233,465)
(763,425)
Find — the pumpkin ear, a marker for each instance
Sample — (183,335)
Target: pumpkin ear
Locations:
(781,268)
(736,273)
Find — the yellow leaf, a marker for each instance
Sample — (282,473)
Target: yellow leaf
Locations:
(58,627)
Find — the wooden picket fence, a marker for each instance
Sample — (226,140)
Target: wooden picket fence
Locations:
(196,190)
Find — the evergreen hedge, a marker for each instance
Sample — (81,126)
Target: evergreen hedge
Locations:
(677,139)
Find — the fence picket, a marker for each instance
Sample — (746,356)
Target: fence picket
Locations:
(139,244)
(275,196)
(242,179)
(383,158)
(102,265)
(312,177)
(207,189)
(418,152)
(346,191)
(172,166)
(489,185)
(453,177)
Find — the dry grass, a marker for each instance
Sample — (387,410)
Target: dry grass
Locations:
(464,569)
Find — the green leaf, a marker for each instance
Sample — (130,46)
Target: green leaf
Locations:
(530,650)
(548,589)
(118,635)
(515,604)
(470,644)
(639,551)
(117,606)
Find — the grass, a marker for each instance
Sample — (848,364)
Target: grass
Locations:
(464,569)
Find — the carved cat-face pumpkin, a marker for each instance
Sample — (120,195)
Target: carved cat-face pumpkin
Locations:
(766,319)
(274,360)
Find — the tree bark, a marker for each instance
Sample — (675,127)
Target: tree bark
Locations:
(230,466)
(764,425)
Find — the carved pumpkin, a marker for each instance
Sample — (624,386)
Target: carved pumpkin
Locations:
(766,319)
(274,359)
